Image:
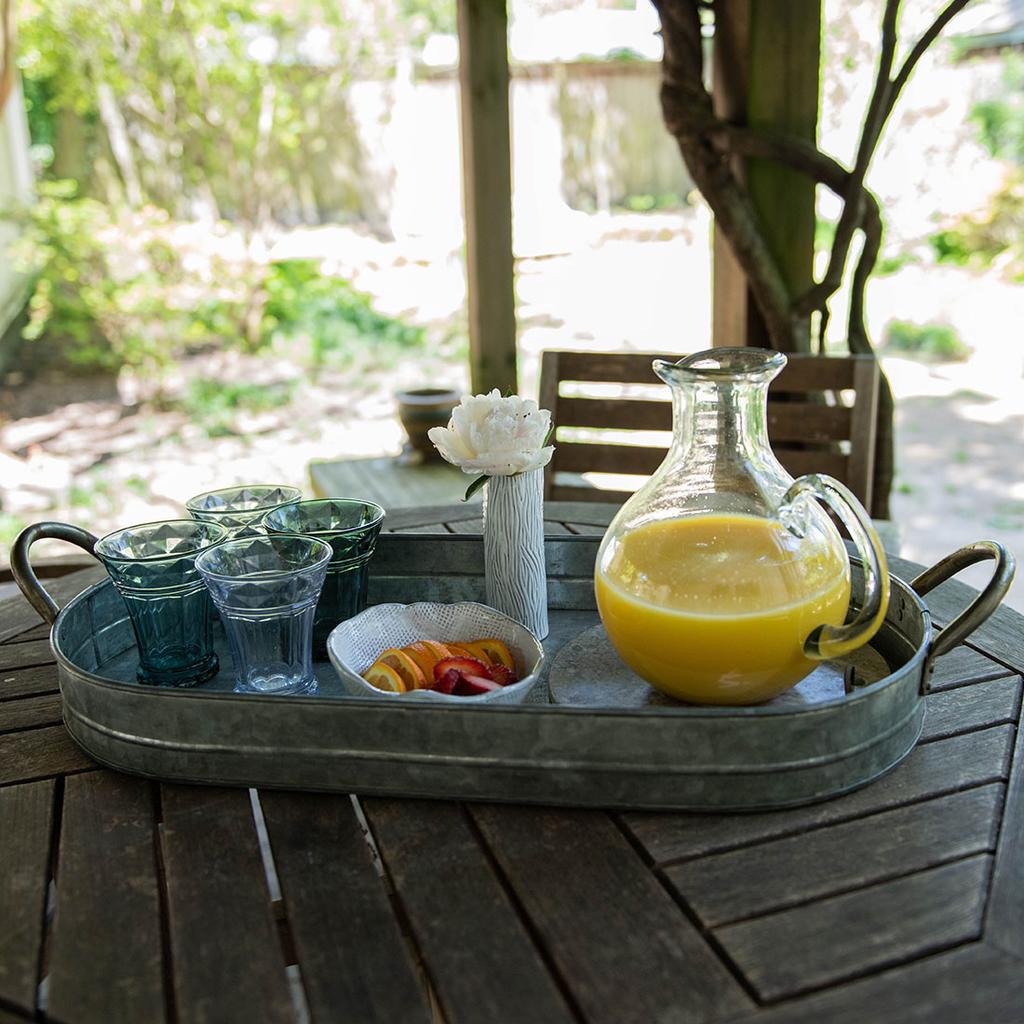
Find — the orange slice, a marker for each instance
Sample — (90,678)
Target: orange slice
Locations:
(461,650)
(495,652)
(411,674)
(384,677)
(426,654)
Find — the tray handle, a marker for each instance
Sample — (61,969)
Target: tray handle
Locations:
(982,606)
(21,568)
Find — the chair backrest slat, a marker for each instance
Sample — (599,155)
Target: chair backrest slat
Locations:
(812,424)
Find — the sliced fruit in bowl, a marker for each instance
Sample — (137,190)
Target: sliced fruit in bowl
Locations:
(384,677)
(449,652)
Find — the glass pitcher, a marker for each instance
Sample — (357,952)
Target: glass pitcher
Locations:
(722,580)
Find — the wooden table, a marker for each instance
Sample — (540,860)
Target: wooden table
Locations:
(123,899)
(391,481)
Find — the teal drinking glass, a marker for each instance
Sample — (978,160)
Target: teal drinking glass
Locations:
(266,588)
(351,527)
(153,567)
(240,509)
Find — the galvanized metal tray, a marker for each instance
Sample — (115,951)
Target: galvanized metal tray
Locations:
(805,748)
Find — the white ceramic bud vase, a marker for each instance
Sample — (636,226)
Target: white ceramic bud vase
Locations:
(514,570)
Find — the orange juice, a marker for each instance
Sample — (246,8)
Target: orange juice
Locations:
(715,609)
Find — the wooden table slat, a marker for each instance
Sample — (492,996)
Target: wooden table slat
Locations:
(107,919)
(625,949)
(477,950)
(26,823)
(772,875)
(1005,925)
(806,947)
(932,769)
(28,682)
(17,616)
(994,702)
(225,949)
(30,713)
(25,655)
(964,666)
(968,985)
(350,949)
(36,633)
(39,754)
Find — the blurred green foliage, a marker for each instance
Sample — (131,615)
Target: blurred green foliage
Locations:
(997,233)
(99,300)
(192,94)
(214,403)
(645,203)
(1000,119)
(170,101)
(108,294)
(939,341)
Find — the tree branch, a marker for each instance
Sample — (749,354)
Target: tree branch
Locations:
(687,110)
(917,52)
(878,110)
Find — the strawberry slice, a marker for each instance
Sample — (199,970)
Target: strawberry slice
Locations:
(502,674)
(447,682)
(464,666)
(471,686)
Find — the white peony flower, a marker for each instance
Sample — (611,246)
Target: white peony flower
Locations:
(495,436)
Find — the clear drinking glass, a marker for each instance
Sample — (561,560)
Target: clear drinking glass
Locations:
(266,588)
(240,508)
(351,527)
(153,567)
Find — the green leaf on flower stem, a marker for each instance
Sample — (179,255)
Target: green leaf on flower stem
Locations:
(474,487)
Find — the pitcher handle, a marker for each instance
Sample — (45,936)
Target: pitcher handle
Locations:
(834,641)
(21,568)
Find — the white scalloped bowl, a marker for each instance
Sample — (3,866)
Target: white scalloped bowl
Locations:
(354,645)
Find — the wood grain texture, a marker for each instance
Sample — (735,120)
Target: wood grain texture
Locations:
(39,754)
(487,192)
(968,985)
(625,950)
(477,951)
(30,713)
(18,616)
(40,632)
(806,947)
(28,682)
(943,766)
(783,872)
(26,821)
(985,704)
(25,655)
(225,950)
(1005,927)
(354,960)
(964,666)
(106,958)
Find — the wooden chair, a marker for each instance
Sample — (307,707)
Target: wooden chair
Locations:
(813,424)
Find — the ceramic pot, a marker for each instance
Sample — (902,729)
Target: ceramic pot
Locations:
(419,409)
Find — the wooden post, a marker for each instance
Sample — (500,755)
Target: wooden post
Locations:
(487,192)
(765,72)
